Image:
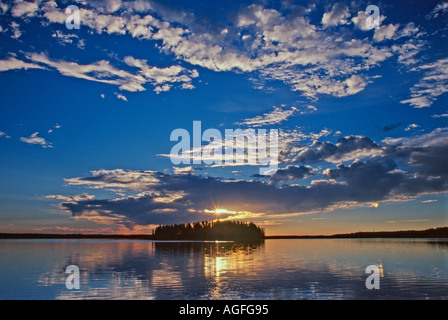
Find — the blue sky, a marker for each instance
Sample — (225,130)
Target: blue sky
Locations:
(86,114)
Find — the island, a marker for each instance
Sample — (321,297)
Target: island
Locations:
(214,230)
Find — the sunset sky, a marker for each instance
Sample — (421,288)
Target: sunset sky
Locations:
(86,114)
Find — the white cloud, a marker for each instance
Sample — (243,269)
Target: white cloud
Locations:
(103,71)
(406,52)
(13,63)
(24,8)
(309,58)
(273,117)
(360,20)
(35,139)
(15,29)
(56,126)
(4,7)
(337,16)
(183,170)
(385,32)
(4,135)
(187,86)
(69,39)
(408,30)
(291,50)
(159,76)
(411,126)
(305,56)
(433,84)
(79,197)
(440,9)
(443,115)
(118,179)
(164,88)
(121,97)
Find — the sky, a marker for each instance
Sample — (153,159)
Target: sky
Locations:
(358,99)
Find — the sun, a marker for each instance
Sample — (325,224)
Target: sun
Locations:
(221,211)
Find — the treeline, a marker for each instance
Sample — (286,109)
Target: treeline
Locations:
(441,232)
(206,230)
(75,236)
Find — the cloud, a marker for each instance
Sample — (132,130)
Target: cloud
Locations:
(56,126)
(117,179)
(408,221)
(13,63)
(291,173)
(411,127)
(383,181)
(391,127)
(399,169)
(80,197)
(285,46)
(107,5)
(26,8)
(443,115)
(35,139)
(438,10)
(360,19)
(426,153)
(15,29)
(4,135)
(385,32)
(4,7)
(121,97)
(433,84)
(178,198)
(290,48)
(407,52)
(429,201)
(64,39)
(337,16)
(347,148)
(103,71)
(276,116)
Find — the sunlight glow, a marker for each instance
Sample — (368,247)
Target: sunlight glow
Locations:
(220,211)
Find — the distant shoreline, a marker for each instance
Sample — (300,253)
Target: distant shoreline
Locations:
(441,232)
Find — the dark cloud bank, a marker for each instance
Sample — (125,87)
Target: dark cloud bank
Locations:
(395,170)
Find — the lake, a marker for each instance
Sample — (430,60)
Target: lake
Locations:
(275,269)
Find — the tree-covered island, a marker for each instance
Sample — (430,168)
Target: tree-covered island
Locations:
(206,230)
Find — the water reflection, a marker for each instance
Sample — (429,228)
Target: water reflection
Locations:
(274,269)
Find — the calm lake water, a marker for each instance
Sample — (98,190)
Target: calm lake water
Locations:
(275,269)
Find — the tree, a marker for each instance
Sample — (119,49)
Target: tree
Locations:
(206,230)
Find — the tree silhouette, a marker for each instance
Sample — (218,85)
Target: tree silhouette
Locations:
(206,230)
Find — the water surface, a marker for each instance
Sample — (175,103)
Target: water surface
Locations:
(274,269)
